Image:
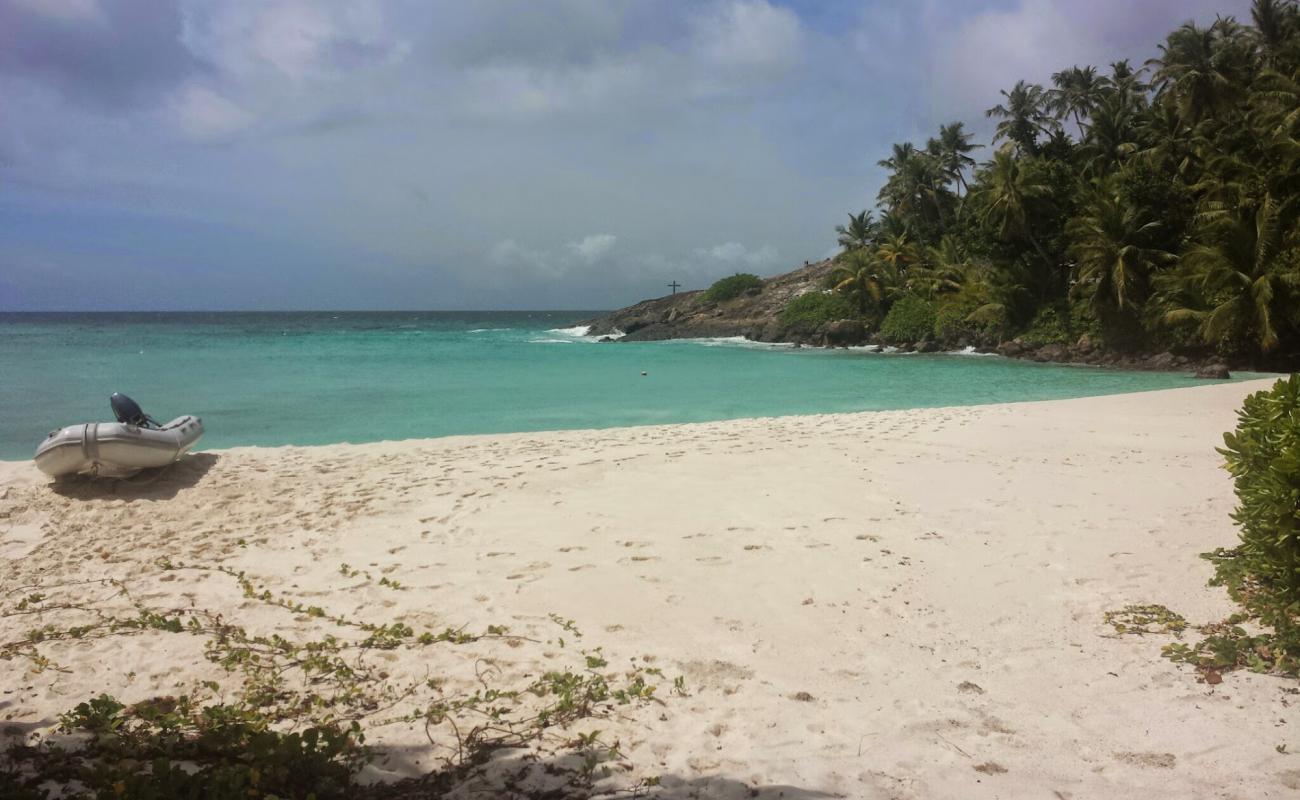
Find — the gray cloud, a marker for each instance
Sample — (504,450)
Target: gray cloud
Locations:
(576,153)
(107,56)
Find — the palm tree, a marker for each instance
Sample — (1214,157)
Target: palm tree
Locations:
(1233,285)
(1278,99)
(1111,243)
(1164,138)
(1276,22)
(1112,136)
(1006,196)
(1196,67)
(864,280)
(1024,116)
(942,270)
(951,149)
(1076,94)
(898,252)
(1125,82)
(900,154)
(916,189)
(859,233)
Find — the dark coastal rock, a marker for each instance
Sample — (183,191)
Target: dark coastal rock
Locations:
(1161,361)
(1085,345)
(653,332)
(845,333)
(772,332)
(635,324)
(1051,352)
(1012,349)
(927,346)
(1213,372)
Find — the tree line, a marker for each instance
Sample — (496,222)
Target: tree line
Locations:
(1148,207)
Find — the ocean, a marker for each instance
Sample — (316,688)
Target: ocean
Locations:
(326,377)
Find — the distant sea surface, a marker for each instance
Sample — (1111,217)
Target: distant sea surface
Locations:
(318,378)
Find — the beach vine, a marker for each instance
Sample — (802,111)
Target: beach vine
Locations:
(291,715)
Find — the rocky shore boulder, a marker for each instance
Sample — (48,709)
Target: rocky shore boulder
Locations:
(1213,372)
(1012,349)
(845,333)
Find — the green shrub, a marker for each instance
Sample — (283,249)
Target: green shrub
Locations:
(910,319)
(815,308)
(952,322)
(1047,327)
(732,286)
(1263,456)
(1263,572)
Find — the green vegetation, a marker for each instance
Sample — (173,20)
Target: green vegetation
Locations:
(731,287)
(1263,572)
(911,319)
(1144,619)
(815,308)
(289,718)
(1263,456)
(1156,205)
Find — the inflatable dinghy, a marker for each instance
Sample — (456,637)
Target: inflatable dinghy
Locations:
(117,449)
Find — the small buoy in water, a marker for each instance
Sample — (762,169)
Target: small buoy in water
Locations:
(644,373)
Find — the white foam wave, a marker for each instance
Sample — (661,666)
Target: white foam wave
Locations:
(577,331)
(488,330)
(733,341)
(969,351)
(553,341)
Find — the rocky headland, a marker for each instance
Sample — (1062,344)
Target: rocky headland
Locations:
(756,315)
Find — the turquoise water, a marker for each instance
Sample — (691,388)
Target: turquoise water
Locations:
(316,378)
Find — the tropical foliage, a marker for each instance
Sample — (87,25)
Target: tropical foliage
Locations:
(807,311)
(1152,207)
(732,286)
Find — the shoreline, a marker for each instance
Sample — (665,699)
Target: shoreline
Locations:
(896,603)
(430,440)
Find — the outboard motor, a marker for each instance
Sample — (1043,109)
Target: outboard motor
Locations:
(129,411)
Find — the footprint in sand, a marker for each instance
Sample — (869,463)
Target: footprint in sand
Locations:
(1155,760)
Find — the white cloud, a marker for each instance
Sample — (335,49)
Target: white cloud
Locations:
(545,264)
(749,35)
(251,40)
(520,90)
(509,255)
(593,248)
(730,49)
(735,253)
(205,116)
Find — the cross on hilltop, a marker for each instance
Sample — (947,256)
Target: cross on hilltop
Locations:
(674,286)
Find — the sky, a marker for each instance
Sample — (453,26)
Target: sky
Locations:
(439,154)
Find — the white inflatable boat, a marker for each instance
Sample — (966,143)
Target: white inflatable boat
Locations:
(117,449)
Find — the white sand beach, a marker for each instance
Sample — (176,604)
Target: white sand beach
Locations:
(903,604)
